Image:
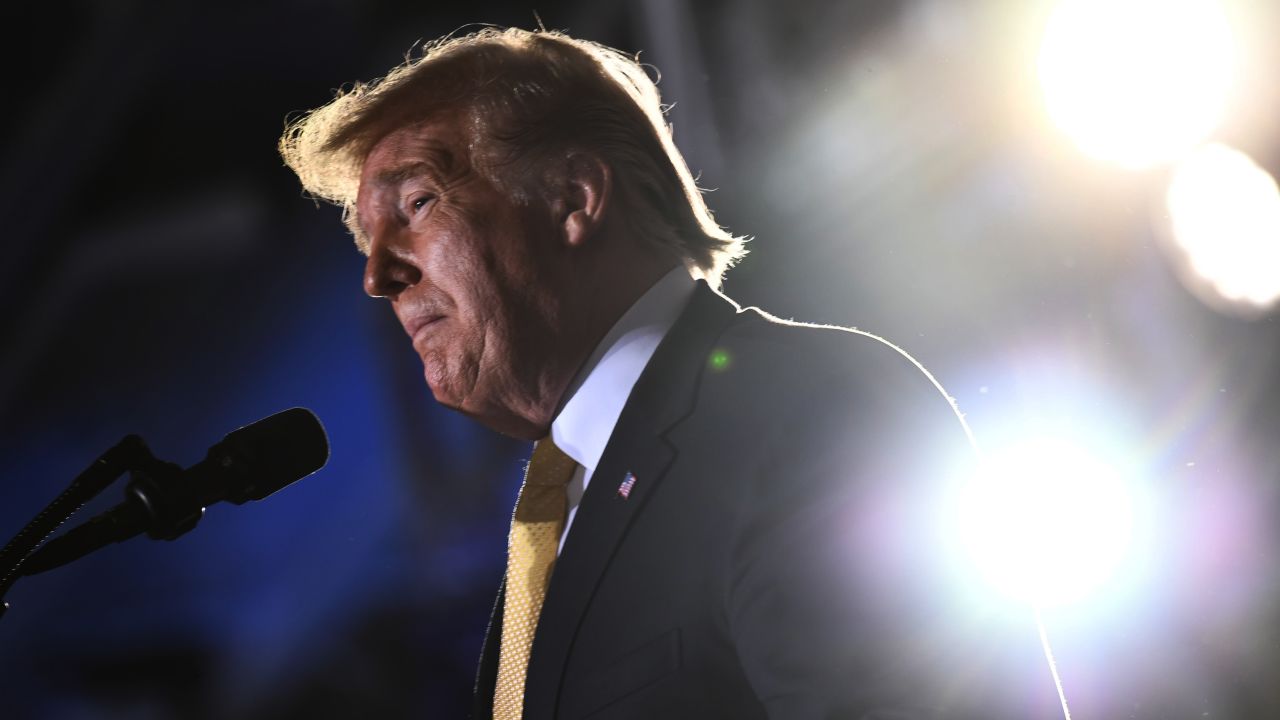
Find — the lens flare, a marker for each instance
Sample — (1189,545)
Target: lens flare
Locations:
(1224,213)
(1047,522)
(1136,82)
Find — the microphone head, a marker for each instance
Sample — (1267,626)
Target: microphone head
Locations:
(265,456)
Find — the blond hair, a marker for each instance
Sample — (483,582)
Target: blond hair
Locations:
(527,95)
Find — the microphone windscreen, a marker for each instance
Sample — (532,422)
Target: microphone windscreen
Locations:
(273,452)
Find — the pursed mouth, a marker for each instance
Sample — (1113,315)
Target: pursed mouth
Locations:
(417,326)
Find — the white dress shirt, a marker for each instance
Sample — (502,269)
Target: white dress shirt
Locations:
(600,389)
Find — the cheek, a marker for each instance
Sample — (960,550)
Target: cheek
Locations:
(486,267)
(477,280)
(457,251)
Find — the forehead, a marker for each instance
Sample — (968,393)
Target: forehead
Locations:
(435,148)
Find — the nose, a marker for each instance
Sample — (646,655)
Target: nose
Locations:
(390,269)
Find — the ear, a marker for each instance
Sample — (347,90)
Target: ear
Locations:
(585,190)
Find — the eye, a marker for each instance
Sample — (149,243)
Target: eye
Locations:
(419,202)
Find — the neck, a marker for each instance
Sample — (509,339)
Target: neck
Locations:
(600,293)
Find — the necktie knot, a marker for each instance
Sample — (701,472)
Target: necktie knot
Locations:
(549,466)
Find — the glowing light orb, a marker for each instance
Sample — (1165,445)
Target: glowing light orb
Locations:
(1224,213)
(1047,522)
(1136,82)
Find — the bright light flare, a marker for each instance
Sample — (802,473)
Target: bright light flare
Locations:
(1136,82)
(1224,213)
(1047,522)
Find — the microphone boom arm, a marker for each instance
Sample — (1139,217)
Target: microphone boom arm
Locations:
(125,455)
(162,499)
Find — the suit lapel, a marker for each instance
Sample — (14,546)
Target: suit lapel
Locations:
(637,449)
(487,673)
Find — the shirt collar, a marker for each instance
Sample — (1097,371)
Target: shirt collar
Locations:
(600,390)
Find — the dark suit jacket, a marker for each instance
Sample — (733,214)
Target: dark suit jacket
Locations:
(783,551)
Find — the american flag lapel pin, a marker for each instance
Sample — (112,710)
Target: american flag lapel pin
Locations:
(624,490)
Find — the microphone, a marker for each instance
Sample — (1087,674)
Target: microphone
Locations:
(165,501)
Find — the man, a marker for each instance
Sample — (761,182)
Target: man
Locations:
(725,515)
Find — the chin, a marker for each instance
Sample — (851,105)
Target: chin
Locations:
(444,397)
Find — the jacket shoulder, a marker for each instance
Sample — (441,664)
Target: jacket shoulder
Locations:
(785,361)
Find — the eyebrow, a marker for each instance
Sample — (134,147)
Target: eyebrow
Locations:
(437,164)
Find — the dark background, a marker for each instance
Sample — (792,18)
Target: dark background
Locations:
(163,275)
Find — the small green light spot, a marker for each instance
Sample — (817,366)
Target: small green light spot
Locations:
(719,359)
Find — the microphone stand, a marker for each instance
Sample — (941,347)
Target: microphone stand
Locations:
(162,499)
(130,454)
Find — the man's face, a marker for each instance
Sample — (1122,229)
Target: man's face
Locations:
(470,273)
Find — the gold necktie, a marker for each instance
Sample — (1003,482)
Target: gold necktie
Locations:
(531,554)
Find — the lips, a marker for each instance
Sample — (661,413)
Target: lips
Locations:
(415,327)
